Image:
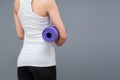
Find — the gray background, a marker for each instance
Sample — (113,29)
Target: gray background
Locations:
(92,50)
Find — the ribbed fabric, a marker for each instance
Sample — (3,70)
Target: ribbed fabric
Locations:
(35,50)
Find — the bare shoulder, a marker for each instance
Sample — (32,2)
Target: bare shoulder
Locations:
(16,5)
(48,3)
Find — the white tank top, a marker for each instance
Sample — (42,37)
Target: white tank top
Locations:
(35,50)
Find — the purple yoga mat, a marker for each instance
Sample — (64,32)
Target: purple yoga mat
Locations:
(50,34)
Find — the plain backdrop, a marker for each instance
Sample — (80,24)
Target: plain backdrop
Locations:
(92,49)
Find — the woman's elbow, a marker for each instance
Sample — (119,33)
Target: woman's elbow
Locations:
(64,37)
(20,37)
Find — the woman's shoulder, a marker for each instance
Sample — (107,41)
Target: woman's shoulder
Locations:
(47,2)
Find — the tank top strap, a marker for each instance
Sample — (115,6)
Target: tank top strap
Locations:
(30,5)
(25,5)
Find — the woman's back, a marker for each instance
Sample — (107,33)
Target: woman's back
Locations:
(36,60)
(35,51)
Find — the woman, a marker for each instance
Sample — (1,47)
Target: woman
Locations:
(36,60)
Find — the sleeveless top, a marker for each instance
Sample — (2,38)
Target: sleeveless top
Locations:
(35,50)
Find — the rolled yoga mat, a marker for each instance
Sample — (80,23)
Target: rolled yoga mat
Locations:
(50,34)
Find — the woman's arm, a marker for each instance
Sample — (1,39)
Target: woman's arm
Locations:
(19,29)
(54,14)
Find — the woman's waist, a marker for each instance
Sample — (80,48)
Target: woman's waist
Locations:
(30,48)
(37,42)
(34,39)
